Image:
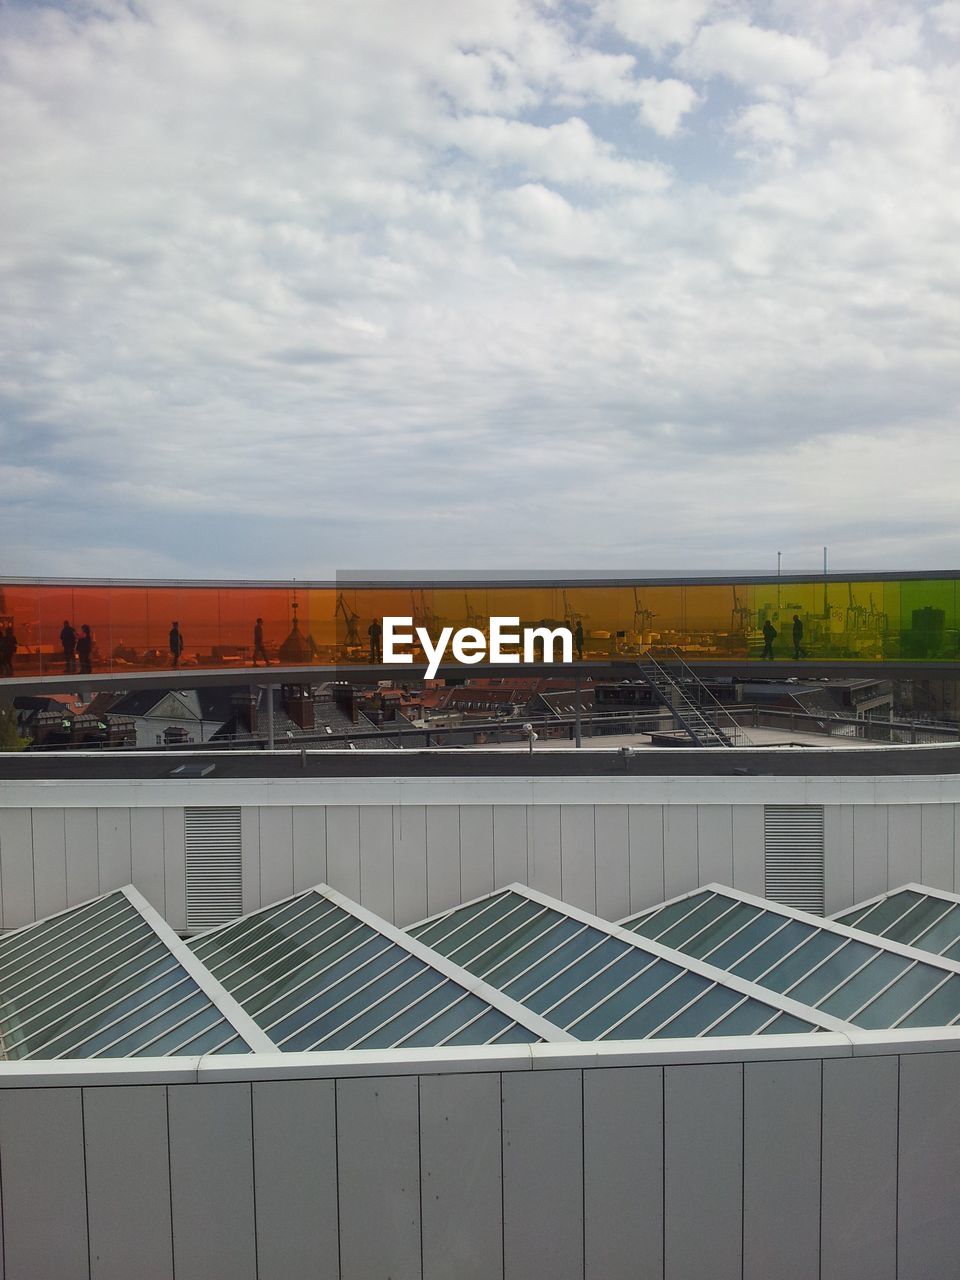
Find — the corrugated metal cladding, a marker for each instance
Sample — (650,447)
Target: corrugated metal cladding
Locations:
(793,857)
(214,884)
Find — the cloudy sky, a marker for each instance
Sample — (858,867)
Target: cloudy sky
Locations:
(440,284)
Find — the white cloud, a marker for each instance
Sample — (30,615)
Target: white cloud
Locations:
(946,17)
(654,24)
(292,287)
(664,103)
(751,55)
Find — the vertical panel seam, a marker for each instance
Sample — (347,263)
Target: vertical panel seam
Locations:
(896,1219)
(86,1184)
(253,1185)
(583,1166)
(336,1165)
(743,1163)
(820,1185)
(420,1170)
(166,1107)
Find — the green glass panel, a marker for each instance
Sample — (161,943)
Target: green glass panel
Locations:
(821,944)
(917,920)
(940,1009)
(557,986)
(769,952)
(726,955)
(858,989)
(431,932)
(513,1035)
(744,1020)
(875,919)
(618,1004)
(787,1024)
(367,1022)
(657,922)
(551,962)
(707,913)
(559,931)
(292,1009)
(711,937)
(321,945)
(663,1006)
(448,1020)
(695,1020)
(331,1008)
(889,1007)
(341,956)
(838,967)
(489,1028)
(498,938)
(942,935)
(630,962)
(179,1039)
(133,1033)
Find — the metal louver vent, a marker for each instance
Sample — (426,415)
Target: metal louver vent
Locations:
(214,887)
(793,855)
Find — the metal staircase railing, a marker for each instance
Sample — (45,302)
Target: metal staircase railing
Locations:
(699,728)
(723,720)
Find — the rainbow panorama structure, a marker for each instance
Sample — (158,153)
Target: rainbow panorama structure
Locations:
(480,1015)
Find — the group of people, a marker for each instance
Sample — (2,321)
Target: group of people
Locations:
(770,634)
(77,648)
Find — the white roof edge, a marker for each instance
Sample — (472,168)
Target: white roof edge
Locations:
(914,886)
(770,998)
(512,1009)
(468,902)
(824,922)
(229,1007)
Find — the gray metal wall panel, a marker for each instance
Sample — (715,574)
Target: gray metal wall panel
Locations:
(715,843)
(476,850)
(443,857)
(858,1234)
(378,1144)
(611,824)
(50,861)
(250,857)
(936,845)
(44,1187)
(904,827)
(175,868)
(113,847)
(543,1174)
(146,855)
(578,854)
(781,1170)
(703,1169)
(343,849)
(461,1187)
(543,844)
(680,860)
(410,865)
(837,857)
(646,855)
(211,1171)
(928,1238)
(870,851)
(80,831)
(377,875)
(276,853)
(128,1182)
(509,844)
(295,1172)
(623,1173)
(309,846)
(748,864)
(16,868)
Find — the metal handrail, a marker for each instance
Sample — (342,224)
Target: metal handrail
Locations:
(741,737)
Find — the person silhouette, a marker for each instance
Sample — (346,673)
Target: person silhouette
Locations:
(769,635)
(375,631)
(578,638)
(797,638)
(176,644)
(8,647)
(258,649)
(85,650)
(68,642)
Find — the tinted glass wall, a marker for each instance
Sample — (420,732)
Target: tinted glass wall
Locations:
(77,627)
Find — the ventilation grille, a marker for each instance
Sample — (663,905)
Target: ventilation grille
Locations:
(793,855)
(214,887)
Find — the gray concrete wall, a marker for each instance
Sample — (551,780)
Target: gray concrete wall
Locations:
(790,1166)
(406,849)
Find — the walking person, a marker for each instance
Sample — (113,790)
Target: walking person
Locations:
(797,639)
(258,649)
(68,642)
(375,631)
(578,638)
(769,635)
(8,647)
(85,650)
(176,644)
